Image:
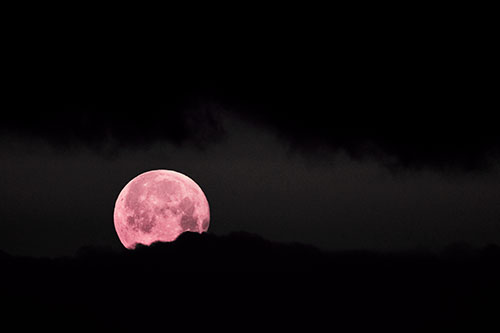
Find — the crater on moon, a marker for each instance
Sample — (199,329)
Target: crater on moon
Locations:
(189,223)
(159,205)
(142,221)
(187,206)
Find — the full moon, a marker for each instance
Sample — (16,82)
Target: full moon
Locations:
(159,205)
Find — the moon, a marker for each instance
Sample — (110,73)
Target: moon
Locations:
(159,205)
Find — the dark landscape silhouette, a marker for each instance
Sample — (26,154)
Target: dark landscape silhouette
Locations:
(242,281)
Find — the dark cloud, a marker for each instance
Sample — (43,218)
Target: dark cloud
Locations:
(414,109)
(418,98)
(128,123)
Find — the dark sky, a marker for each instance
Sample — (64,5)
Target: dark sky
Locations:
(365,140)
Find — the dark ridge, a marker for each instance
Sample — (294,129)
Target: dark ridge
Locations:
(204,281)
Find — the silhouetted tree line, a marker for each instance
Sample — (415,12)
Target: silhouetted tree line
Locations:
(243,282)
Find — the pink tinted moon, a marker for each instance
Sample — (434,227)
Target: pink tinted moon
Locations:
(159,205)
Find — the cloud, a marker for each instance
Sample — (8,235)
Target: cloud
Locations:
(410,117)
(127,123)
(418,105)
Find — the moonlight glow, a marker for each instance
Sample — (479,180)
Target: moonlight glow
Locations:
(159,205)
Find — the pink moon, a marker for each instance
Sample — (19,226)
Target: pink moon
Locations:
(158,206)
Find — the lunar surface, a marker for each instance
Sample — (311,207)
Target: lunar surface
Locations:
(159,205)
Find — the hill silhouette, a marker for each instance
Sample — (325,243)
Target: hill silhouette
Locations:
(244,282)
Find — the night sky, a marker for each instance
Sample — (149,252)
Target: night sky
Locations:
(365,140)
(350,158)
